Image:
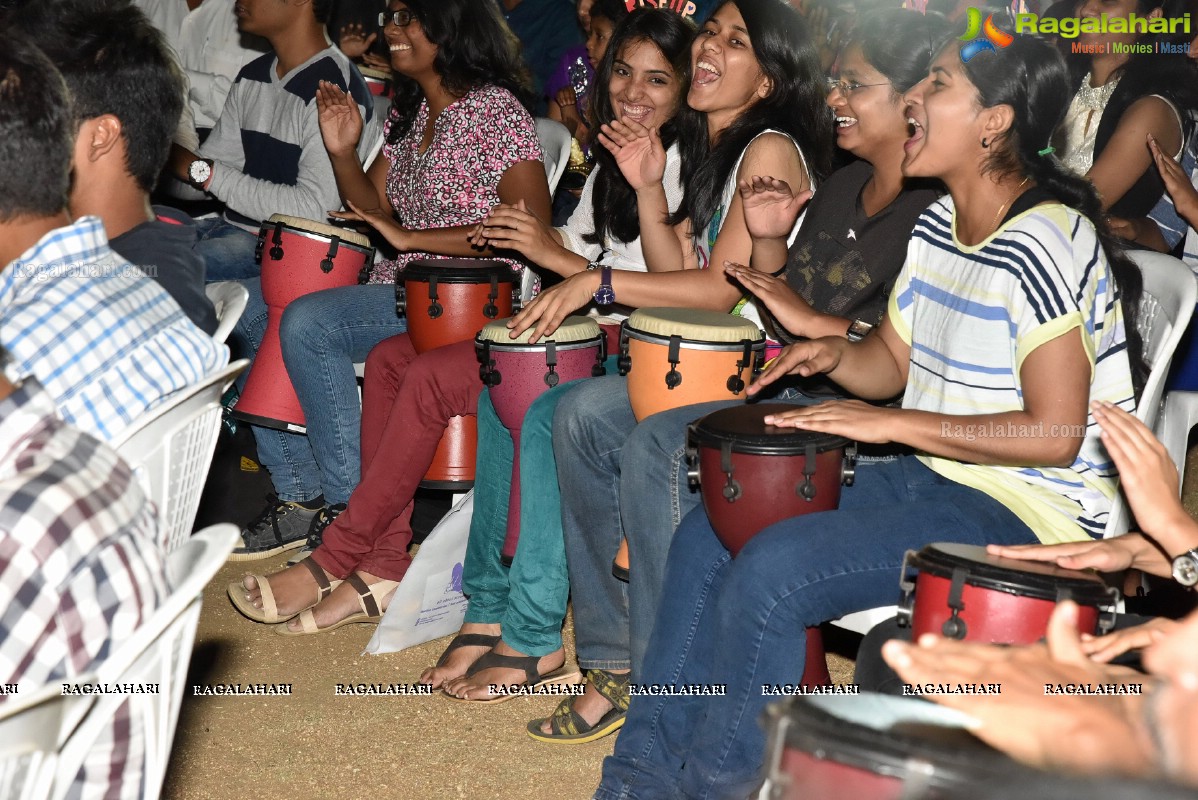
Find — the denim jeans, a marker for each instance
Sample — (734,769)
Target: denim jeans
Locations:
(742,623)
(228,251)
(620,479)
(323,334)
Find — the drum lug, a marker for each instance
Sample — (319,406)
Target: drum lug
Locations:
(490,310)
(260,246)
(435,310)
(907,585)
(624,361)
(1108,615)
(551,377)
(806,489)
(693,480)
(848,469)
(326,265)
(674,377)
(736,383)
(276,251)
(954,627)
(486,365)
(731,489)
(401,300)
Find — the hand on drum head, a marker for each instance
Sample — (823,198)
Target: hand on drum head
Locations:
(801,358)
(638,151)
(516,228)
(340,120)
(852,419)
(1074,732)
(1116,643)
(378,219)
(771,206)
(547,310)
(785,304)
(1131,551)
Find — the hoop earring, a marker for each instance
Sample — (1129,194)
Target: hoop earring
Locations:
(985,143)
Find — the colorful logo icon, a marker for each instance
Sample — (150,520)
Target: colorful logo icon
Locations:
(991,36)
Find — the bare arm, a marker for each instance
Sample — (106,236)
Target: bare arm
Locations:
(1125,157)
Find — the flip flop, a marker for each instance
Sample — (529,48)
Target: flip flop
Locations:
(527,664)
(370,599)
(269,613)
(568,727)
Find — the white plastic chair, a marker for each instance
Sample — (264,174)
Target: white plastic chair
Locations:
(229,299)
(171,450)
(555,141)
(158,652)
(1165,309)
(31,729)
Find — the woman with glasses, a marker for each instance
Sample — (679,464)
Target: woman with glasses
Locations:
(457,142)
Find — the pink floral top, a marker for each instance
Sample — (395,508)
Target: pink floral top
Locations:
(456,180)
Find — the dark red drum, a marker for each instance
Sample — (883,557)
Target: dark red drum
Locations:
(752,475)
(298,256)
(448,300)
(876,747)
(377,81)
(517,373)
(962,592)
(452,468)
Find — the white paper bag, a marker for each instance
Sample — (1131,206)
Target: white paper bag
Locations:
(429,602)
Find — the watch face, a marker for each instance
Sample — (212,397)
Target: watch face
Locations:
(1185,569)
(604,296)
(199,171)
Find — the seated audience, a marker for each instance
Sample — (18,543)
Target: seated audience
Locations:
(106,342)
(80,569)
(545,29)
(125,94)
(569,90)
(458,143)
(976,334)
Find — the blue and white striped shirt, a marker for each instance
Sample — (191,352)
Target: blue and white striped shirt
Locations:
(106,342)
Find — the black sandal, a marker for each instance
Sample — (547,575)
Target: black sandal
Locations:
(566,726)
(526,664)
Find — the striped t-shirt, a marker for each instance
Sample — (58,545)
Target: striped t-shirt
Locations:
(973,314)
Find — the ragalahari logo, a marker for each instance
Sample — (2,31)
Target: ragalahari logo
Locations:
(991,36)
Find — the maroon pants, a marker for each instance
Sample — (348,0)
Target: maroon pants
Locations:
(407,401)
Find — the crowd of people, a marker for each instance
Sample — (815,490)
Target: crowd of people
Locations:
(930,237)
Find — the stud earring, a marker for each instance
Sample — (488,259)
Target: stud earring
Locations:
(986,143)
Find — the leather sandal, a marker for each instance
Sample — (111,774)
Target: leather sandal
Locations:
(566,726)
(526,664)
(269,613)
(370,601)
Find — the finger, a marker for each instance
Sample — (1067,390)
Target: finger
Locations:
(609,144)
(1126,427)
(1038,552)
(1064,640)
(371,39)
(349,215)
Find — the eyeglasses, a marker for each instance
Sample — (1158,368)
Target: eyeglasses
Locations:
(400,19)
(848,87)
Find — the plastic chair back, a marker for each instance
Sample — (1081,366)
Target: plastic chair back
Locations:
(229,299)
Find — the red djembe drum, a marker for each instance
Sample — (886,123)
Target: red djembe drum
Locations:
(298,256)
(517,373)
(752,475)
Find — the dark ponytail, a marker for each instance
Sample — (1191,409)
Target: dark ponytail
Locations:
(1031,77)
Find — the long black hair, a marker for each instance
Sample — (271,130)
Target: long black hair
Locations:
(614,201)
(1031,77)
(475,47)
(900,43)
(795,106)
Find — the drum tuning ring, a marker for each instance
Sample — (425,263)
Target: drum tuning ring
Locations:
(735,384)
(954,627)
(435,310)
(326,266)
(490,311)
(731,489)
(276,253)
(806,489)
(624,363)
(673,378)
(552,378)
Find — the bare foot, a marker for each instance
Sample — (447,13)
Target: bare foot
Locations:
(591,706)
(342,602)
(294,590)
(476,687)
(456,663)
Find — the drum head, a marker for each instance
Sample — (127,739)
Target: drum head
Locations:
(743,427)
(572,329)
(694,324)
(457,270)
(302,225)
(377,74)
(1025,578)
(894,736)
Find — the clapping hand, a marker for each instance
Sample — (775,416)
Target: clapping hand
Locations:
(771,207)
(638,152)
(354,42)
(340,119)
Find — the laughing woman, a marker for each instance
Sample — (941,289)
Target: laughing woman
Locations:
(1012,309)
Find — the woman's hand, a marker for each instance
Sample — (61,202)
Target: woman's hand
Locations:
(567,105)
(801,358)
(771,207)
(340,120)
(353,41)
(638,152)
(784,303)
(1104,648)
(381,221)
(517,228)
(1177,183)
(548,309)
(372,59)
(1104,555)
(852,419)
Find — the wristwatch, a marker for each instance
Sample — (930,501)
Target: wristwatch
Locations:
(199,171)
(858,330)
(1185,568)
(604,295)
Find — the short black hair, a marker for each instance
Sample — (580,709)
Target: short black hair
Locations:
(35,132)
(321,9)
(114,61)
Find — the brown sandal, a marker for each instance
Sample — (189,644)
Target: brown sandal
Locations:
(269,613)
(370,600)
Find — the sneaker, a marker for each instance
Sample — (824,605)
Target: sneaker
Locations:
(322,520)
(281,526)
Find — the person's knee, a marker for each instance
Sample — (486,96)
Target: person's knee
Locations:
(308,328)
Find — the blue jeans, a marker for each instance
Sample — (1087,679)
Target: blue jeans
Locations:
(742,623)
(323,335)
(597,442)
(228,251)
